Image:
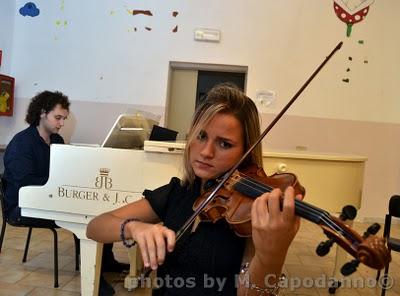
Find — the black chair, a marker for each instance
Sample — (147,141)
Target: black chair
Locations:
(53,229)
(392,242)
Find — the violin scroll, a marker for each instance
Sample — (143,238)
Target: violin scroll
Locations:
(373,252)
(369,249)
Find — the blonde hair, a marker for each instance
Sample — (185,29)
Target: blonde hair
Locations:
(228,99)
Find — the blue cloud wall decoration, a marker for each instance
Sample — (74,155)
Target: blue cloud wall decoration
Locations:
(29,9)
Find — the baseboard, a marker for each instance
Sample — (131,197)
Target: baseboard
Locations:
(376,220)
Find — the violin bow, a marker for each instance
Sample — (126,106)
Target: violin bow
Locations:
(204,204)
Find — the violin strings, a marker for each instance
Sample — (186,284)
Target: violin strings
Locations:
(312,211)
(261,188)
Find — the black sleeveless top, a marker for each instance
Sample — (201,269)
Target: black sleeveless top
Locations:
(204,262)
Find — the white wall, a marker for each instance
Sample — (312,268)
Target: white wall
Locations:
(6,33)
(97,56)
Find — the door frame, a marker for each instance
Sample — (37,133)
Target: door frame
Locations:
(177,65)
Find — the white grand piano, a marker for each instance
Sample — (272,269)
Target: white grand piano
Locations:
(87,181)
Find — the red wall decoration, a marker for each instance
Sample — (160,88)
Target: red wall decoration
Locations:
(351,11)
(6,95)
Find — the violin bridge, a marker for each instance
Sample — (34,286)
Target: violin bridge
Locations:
(195,224)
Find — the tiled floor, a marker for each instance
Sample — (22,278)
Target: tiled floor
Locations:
(307,273)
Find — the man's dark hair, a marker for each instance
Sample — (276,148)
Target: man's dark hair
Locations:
(45,102)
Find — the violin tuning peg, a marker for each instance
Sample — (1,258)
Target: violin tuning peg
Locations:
(324,247)
(349,212)
(350,267)
(373,229)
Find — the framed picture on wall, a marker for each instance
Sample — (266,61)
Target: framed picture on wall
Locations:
(6,95)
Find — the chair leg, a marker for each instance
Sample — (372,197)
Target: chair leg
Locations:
(28,240)
(77,251)
(384,280)
(55,257)
(3,232)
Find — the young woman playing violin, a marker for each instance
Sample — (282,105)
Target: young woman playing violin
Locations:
(211,259)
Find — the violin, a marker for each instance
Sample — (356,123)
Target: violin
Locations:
(234,200)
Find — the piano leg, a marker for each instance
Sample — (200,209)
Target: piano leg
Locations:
(133,280)
(91,254)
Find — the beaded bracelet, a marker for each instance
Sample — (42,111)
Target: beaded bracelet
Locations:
(271,291)
(127,243)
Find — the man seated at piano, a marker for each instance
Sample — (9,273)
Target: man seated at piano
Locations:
(27,160)
(209,258)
